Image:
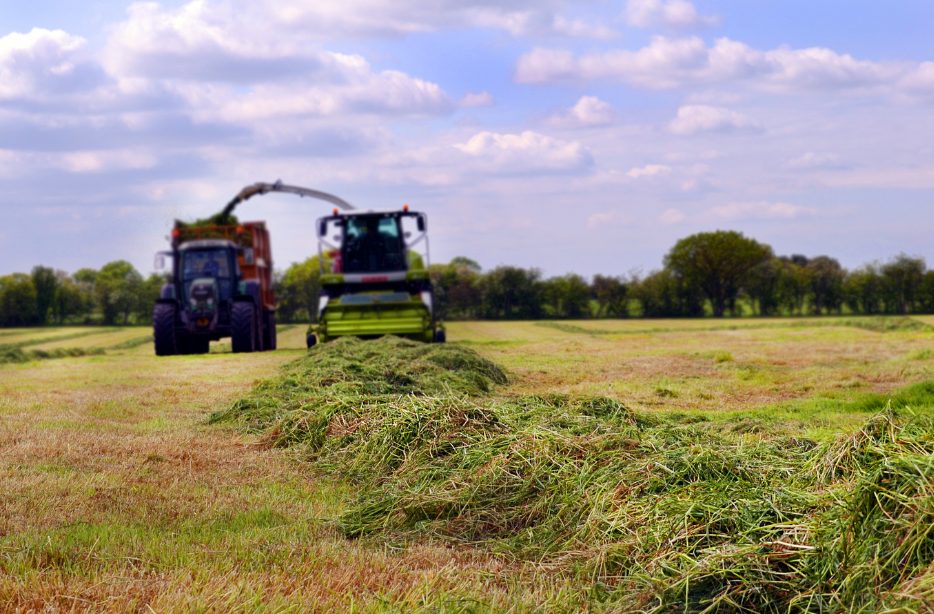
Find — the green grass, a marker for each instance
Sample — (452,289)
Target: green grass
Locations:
(680,466)
(668,512)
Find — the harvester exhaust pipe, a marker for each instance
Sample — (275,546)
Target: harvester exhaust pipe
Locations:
(278,186)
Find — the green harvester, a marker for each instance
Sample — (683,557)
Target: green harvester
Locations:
(373,281)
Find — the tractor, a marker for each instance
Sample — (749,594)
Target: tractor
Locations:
(220,286)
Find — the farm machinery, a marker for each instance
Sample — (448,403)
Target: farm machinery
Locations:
(373,282)
(220,286)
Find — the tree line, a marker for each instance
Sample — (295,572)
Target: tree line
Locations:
(715,273)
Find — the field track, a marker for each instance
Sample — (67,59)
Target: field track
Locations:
(116,494)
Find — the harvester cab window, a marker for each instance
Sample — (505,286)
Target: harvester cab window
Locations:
(373,243)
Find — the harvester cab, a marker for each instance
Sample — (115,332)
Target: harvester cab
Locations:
(373,280)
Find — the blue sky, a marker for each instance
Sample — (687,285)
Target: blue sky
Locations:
(572,136)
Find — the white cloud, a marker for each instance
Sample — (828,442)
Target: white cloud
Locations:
(610,219)
(588,112)
(347,19)
(226,67)
(529,150)
(97,161)
(672,13)
(483,99)
(652,170)
(761,210)
(814,160)
(671,216)
(682,62)
(694,119)
(45,62)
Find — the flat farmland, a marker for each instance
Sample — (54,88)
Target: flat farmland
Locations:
(119,492)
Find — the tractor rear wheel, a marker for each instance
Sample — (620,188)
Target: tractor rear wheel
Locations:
(163,330)
(242,328)
(269,330)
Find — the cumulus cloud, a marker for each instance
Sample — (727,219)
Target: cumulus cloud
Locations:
(45,63)
(652,170)
(672,13)
(671,216)
(608,219)
(483,99)
(812,160)
(761,210)
(225,67)
(681,62)
(526,151)
(694,119)
(588,112)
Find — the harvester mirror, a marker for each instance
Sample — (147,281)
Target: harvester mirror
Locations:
(247,253)
(322,228)
(421,223)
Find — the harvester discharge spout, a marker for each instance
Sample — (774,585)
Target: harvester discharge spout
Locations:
(264,188)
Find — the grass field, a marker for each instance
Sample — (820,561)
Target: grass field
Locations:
(117,493)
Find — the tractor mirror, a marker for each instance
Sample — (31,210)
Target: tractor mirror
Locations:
(421,223)
(247,253)
(322,228)
(158,262)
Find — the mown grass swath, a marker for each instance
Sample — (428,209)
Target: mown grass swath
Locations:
(662,514)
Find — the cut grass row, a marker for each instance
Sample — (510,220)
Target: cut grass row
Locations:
(645,511)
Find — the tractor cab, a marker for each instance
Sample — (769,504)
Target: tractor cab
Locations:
(374,281)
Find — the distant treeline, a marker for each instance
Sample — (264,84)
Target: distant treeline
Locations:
(716,273)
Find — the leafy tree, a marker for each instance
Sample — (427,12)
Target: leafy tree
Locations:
(512,292)
(794,285)
(464,261)
(862,289)
(18,300)
(664,294)
(612,295)
(826,284)
(148,291)
(69,301)
(302,282)
(901,279)
(116,289)
(716,262)
(763,284)
(926,293)
(45,283)
(569,296)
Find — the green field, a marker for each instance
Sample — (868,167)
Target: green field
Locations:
(634,465)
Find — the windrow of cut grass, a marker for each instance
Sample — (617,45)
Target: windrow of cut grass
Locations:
(19,356)
(650,512)
(882,324)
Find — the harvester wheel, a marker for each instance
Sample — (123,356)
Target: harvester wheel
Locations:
(311,340)
(163,330)
(440,336)
(269,330)
(242,328)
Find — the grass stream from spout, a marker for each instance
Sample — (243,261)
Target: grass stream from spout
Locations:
(650,512)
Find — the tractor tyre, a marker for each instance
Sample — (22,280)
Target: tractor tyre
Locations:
(440,336)
(269,330)
(163,330)
(242,328)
